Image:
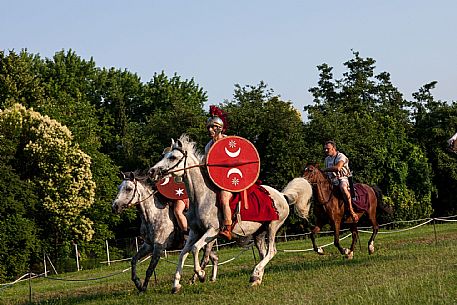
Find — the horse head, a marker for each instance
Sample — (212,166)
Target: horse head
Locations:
(128,192)
(313,174)
(176,160)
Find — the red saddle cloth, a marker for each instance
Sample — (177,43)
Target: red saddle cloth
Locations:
(361,195)
(259,206)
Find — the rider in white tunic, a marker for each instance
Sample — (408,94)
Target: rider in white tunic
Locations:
(337,169)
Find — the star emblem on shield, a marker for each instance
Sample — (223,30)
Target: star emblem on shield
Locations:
(180,192)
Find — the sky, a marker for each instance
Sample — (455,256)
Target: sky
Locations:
(222,43)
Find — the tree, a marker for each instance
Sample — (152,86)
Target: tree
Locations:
(434,123)
(369,119)
(275,128)
(45,156)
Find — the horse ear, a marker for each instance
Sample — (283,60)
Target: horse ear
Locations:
(179,143)
(132,176)
(121,175)
(172,142)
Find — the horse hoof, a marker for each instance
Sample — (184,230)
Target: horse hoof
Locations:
(176,289)
(320,251)
(192,280)
(202,276)
(255,281)
(370,249)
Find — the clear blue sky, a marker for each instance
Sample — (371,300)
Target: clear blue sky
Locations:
(222,43)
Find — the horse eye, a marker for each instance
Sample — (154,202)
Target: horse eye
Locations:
(172,158)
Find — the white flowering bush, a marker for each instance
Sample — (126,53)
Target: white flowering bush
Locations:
(57,166)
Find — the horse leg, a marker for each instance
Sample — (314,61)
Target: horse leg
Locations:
(152,265)
(375,226)
(314,231)
(209,254)
(354,235)
(181,260)
(260,244)
(336,237)
(259,269)
(209,236)
(142,252)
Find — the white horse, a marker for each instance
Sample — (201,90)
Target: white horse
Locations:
(452,143)
(206,219)
(159,227)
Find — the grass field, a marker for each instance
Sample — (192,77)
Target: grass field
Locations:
(410,267)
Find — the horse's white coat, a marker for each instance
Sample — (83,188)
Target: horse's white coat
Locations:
(205,219)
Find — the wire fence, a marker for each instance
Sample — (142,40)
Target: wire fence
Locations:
(395,227)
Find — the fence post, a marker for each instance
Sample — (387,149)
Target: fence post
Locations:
(434,229)
(44,263)
(217,246)
(30,286)
(107,252)
(52,265)
(77,255)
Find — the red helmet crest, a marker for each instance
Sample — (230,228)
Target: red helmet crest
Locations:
(215,113)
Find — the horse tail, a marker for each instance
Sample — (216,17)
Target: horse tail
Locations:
(299,192)
(381,204)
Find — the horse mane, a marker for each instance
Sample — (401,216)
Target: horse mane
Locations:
(190,146)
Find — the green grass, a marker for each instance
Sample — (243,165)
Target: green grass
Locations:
(410,267)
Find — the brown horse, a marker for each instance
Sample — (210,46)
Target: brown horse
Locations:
(330,208)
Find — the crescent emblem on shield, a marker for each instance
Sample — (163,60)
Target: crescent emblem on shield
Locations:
(234,171)
(233,154)
(165,181)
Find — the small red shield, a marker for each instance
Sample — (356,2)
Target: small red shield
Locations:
(172,188)
(233,163)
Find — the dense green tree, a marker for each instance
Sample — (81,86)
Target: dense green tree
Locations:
(369,119)
(273,126)
(171,107)
(434,123)
(45,156)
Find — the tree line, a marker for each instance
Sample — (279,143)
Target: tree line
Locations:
(67,127)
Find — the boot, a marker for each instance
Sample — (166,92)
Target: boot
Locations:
(225,232)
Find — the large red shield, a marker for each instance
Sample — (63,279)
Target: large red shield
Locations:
(233,163)
(172,188)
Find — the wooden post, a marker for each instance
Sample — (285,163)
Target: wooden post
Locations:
(77,256)
(44,263)
(434,229)
(107,253)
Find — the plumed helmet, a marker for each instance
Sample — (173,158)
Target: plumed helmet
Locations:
(218,117)
(215,120)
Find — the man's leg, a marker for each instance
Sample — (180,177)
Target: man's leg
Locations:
(225,202)
(179,214)
(345,189)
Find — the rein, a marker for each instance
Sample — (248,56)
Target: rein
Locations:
(319,190)
(135,191)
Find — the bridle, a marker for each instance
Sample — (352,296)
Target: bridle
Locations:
(318,184)
(183,159)
(135,192)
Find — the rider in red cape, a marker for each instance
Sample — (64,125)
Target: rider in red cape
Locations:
(216,126)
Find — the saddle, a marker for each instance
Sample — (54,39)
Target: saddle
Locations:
(254,205)
(359,197)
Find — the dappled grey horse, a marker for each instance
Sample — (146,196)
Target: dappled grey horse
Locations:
(205,218)
(159,227)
